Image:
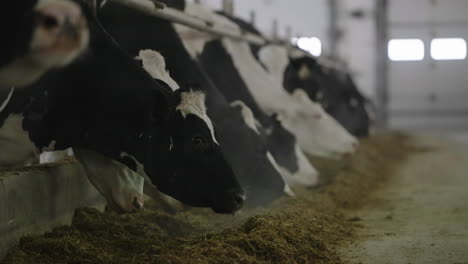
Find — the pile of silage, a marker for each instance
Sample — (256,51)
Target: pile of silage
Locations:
(305,229)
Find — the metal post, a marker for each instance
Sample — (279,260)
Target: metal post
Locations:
(175,16)
(228,7)
(381,89)
(274,28)
(333,28)
(253,17)
(288,34)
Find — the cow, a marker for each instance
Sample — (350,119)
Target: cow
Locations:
(333,89)
(43,34)
(294,166)
(242,146)
(317,132)
(342,100)
(129,131)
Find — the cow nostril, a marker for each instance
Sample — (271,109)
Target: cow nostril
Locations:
(137,203)
(355,145)
(48,22)
(239,199)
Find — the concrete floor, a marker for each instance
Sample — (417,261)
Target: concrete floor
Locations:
(421,216)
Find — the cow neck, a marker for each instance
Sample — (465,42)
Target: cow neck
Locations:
(161,162)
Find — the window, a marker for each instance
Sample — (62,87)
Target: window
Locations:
(312,45)
(406,50)
(448,49)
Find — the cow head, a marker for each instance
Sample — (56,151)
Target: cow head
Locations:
(198,174)
(46,34)
(254,165)
(335,91)
(295,167)
(317,132)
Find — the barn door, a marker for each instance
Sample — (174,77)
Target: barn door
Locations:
(426,93)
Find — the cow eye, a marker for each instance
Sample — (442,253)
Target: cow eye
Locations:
(198,141)
(353,102)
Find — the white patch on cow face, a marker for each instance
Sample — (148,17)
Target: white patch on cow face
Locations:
(276,59)
(16,148)
(122,187)
(56,156)
(247,115)
(7,100)
(284,174)
(193,102)
(288,191)
(154,63)
(322,136)
(50,147)
(306,174)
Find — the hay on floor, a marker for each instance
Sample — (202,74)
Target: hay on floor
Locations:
(301,230)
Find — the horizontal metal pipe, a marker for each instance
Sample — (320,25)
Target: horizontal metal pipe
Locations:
(160,10)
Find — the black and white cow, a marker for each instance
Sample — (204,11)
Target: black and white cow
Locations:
(317,132)
(290,160)
(126,129)
(334,90)
(242,146)
(42,34)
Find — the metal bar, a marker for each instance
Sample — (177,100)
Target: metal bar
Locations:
(274,30)
(160,10)
(423,24)
(288,33)
(381,63)
(333,28)
(228,7)
(253,17)
(429,112)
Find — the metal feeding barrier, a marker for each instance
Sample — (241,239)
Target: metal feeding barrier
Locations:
(161,10)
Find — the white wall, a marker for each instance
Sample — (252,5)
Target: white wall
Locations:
(429,94)
(306,17)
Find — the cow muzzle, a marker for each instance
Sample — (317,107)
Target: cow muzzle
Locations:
(229,202)
(61,31)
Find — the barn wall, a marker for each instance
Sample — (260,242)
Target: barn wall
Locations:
(429,94)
